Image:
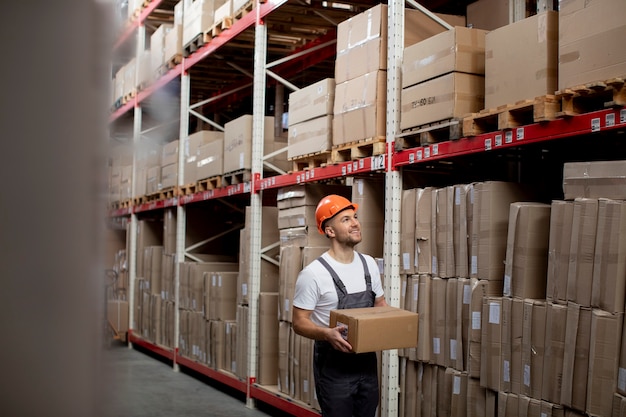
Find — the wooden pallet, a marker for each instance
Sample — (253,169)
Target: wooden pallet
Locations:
(359,149)
(435,132)
(195,44)
(218,28)
(188,189)
(247,8)
(236,177)
(209,183)
(174,61)
(310,161)
(116,205)
(509,116)
(592,96)
(128,97)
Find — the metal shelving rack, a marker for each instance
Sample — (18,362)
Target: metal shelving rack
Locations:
(389,164)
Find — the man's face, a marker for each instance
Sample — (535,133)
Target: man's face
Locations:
(345,228)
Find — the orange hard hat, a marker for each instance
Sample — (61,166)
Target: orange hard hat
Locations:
(329,206)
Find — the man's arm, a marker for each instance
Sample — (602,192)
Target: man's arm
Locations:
(380,302)
(304,326)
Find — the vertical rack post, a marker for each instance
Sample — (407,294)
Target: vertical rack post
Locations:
(393,192)
(137,122)
(258,132)
(181,214)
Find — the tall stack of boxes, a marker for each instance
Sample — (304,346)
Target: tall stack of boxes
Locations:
(157,48)
(360,70)
(443,77)
(173,43)
(310,119)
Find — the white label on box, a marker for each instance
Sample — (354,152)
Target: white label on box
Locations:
(544,414)
(494,313)
(457,196)
(542,28)
(527,375)
(472,194)
(406,262)
(456,385)
(621,379)
(436,346)
(467,293)
(244,289)
(507,286)
(241,160)
(193,304)
(286,304)
(434,265)
(219,280)
(476,320)
(506,372)
(416,291)
(453,349)
(474,269)
(305,385)
(404,284)
(359,187)
(213,280)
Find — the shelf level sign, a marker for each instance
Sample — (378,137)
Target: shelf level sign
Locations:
(508,136)
(498,139)
(378,162)
(609,120)
(622,116)
(595,124)
(519,133)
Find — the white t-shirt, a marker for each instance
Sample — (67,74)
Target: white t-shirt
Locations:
(315,289)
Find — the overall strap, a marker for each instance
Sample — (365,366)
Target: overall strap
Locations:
(338,283)
(368,277)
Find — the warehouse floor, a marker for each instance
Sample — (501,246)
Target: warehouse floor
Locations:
(142,385)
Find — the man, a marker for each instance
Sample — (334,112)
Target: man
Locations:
(346,383)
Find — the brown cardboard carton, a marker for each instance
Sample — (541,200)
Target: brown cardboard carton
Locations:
(506,343)
(302,236)
(445,232)
(198,17)
(169,176)
(459,49)
(619,405)
(369,194)
(598,179)
(307,194)
(149,233)
(621,375)
(310,137)
(609,266)
(480,401)
(460,231)
(444,390)
(582,248)
(301,216)
(118,315)
(561,217)
(268,341)
(521,60)
(283,356)
(153,179)
(438,320)
(479,289)
(604,352)
(517,330)
(492,214)
(408,380)
(508,404)
(580,59)
(312,101)
(210,162)
(556,319)
(576,357)
(362,39)
(407,234)
(243,339)
(526,259)
(410,304)
(377,328)
(359,111)
(423,227)
(290,266)
(464,295)
(223,295)
(487,14)
(533,347)
(491,343)
(173,45)
(424,342)
(451,324)
(448,96)
(170,153)
(238,142)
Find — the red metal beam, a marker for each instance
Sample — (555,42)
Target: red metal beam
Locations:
(160,350)
(221,192)
(602,120)
(132,25)
(226,379)
(156,205)
(282,402)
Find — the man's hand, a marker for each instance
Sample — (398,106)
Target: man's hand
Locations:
(334,336)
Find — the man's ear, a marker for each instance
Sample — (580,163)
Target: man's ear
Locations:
(329,231)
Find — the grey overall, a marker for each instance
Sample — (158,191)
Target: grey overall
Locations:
(347,383)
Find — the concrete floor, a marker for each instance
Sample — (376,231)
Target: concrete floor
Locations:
(143,385)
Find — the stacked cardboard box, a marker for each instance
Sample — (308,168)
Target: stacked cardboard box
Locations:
(196,159)
(310,119)
(443,77)
(157,48)
(173,45)
(360,70)
(198,17)
(580,59)
(521,60)
(238,145)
